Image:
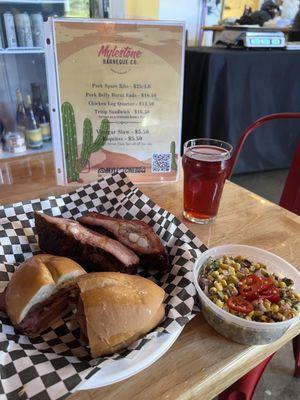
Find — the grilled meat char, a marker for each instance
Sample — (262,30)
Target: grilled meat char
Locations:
(137,235)
(95,252)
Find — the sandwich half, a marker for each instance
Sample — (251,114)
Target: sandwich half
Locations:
(41,290)
(116,309)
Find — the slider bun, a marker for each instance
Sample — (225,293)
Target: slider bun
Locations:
(119,309)
(35,280)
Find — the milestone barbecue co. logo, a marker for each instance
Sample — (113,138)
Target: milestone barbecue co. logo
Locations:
(118,55)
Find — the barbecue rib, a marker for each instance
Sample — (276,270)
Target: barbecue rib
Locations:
(136,235)
(95,252)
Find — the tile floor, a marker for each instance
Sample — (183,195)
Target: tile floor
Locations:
(277,382)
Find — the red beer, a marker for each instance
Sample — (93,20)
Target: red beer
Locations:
(205,165)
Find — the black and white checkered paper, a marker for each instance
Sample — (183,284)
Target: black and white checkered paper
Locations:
(53,365)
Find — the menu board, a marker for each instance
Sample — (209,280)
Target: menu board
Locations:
(117,101)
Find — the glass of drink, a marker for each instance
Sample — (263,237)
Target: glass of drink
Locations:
(205,165)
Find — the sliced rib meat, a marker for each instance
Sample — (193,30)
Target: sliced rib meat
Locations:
(95,252)
(81,319)
(2,302)
(136,235)
(54,307)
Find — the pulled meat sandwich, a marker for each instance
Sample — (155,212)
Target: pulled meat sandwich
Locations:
(41,290)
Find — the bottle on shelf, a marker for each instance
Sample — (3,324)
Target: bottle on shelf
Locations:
(34,136)
(23,27)
(40,112)
(9,30)
(14,142)
(2,40)
(21,113)
(37,26)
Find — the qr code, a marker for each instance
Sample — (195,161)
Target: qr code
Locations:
(161,162)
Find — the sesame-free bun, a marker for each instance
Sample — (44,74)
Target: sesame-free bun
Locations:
(38,278)
(118,309)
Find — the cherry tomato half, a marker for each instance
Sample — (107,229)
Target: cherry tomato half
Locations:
(270,293)
(239,304)
(250,287)
(266,283)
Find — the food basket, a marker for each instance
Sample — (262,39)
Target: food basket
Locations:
(233,327)
(56,363)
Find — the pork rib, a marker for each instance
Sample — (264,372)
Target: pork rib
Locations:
(95,252)
(136,235)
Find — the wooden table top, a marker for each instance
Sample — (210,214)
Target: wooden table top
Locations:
(201,363)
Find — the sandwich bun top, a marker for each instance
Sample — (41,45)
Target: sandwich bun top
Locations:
(119,309)
(37,279)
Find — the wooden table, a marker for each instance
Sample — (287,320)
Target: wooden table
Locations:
(201,363)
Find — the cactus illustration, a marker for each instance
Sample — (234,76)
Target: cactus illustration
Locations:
(70,141)
(88,146)
(173,152)
(87,139)
(102,136)
(74,164)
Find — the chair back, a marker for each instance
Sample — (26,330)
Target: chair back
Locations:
(290,198)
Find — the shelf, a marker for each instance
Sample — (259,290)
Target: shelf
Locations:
(32,2)
(8,156)
(22,50)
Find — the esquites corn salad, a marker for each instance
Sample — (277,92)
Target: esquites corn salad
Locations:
(249,290)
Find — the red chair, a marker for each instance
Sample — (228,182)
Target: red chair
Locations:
(244,388)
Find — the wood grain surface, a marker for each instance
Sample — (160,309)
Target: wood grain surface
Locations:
(201,363)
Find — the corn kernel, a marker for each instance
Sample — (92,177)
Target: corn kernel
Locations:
(213,290)
(215,274)
(257,313)
(274,308)
(218,286)
(224,266)
(237,266)
(267,305)
(282,284)
(232,288)
(233,279)
(219,303)
(231,270)
(223,282)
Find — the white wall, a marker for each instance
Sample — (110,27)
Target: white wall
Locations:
(117,9)
(184,10)
(178,10)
